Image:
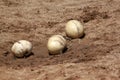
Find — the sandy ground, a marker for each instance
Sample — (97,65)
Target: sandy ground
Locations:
(94,57)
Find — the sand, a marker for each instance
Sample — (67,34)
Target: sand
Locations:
(96,56)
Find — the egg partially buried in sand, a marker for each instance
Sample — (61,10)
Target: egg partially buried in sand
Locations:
(74,29)
(56,44)
(22,48)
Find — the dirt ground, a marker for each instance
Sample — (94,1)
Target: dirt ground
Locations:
(94,57)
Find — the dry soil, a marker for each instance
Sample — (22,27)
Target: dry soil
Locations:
(96,56)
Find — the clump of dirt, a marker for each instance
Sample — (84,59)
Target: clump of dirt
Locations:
(93,13)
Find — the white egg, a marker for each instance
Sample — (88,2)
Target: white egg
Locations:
(56,44)
(21,48)
(74,29)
